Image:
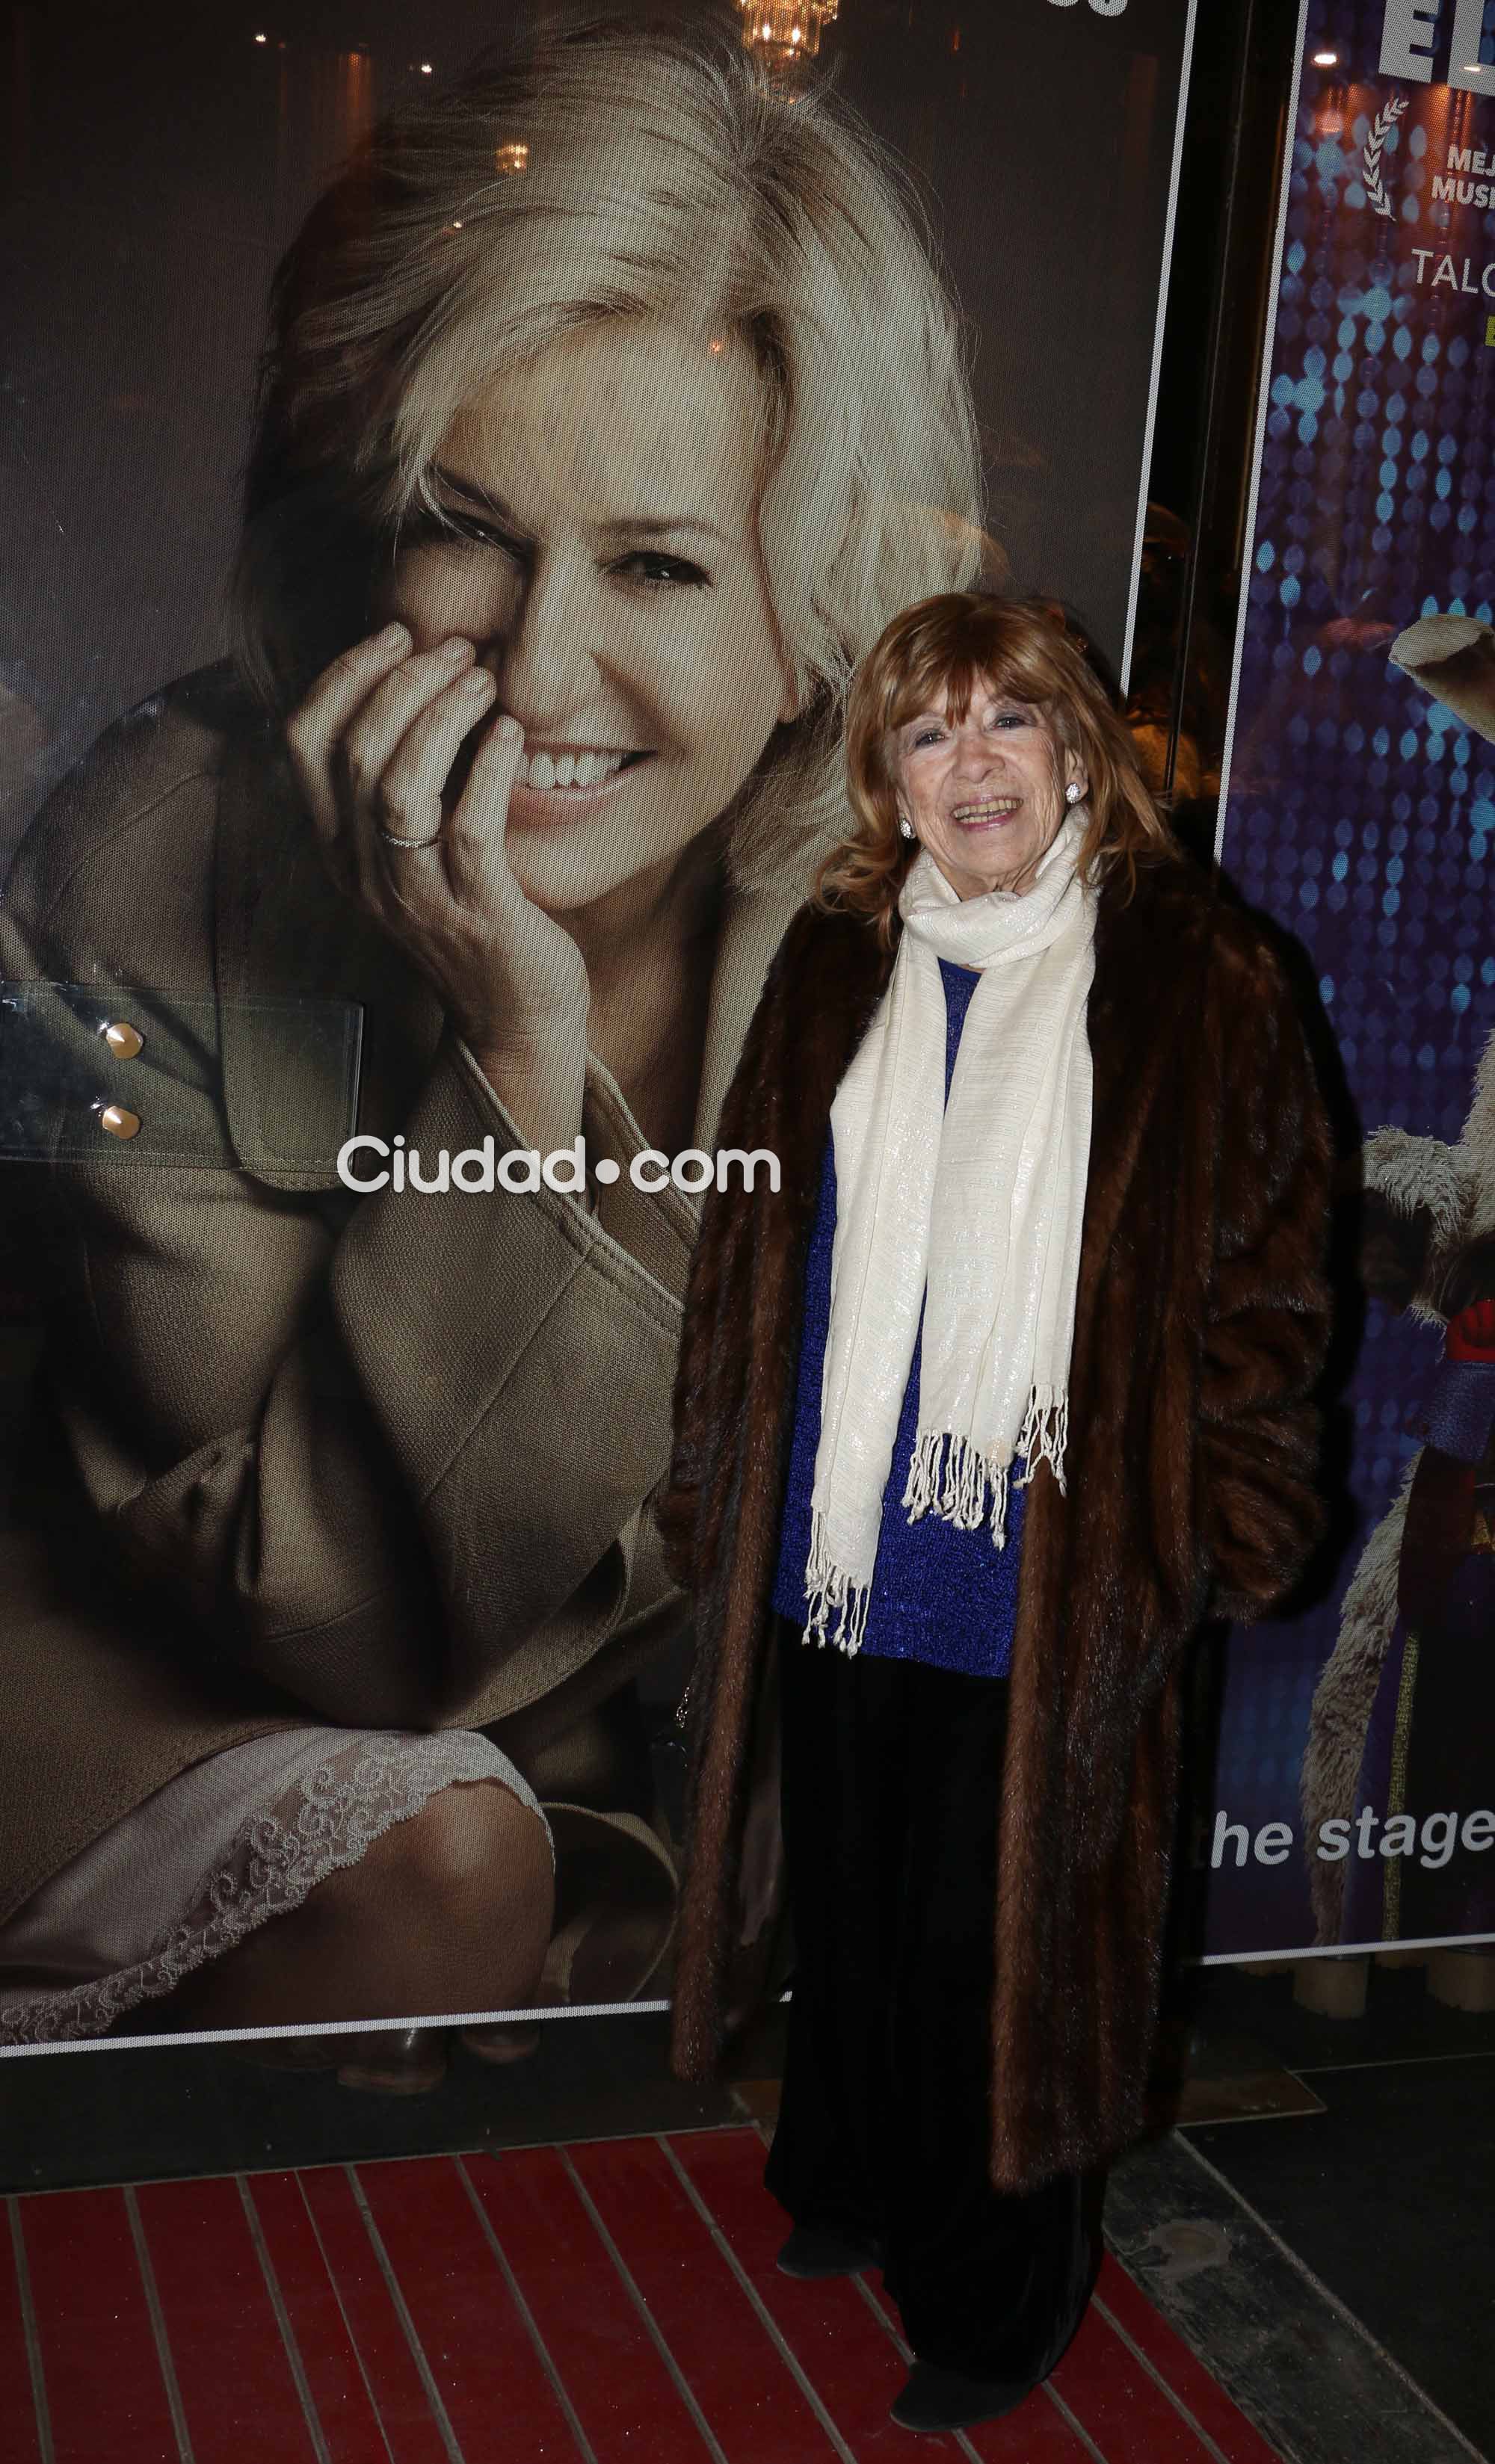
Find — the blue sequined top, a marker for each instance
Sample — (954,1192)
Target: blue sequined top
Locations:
(938,1593)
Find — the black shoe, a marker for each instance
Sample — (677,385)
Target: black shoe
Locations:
(811,2251)
(936,2399)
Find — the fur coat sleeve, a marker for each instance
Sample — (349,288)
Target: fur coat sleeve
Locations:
(1266,1315)
(705,1364)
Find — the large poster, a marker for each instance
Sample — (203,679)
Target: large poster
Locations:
(1356,1799)
(421,671)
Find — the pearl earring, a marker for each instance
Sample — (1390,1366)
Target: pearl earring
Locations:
(1074,792)
(906,826)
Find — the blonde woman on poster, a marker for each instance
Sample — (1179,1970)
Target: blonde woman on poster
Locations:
(610,408)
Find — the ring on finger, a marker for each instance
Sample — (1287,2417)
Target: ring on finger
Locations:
(393,838)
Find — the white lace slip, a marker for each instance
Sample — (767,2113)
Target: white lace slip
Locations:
(326,1819)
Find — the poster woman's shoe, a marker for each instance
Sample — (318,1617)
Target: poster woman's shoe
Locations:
(407,2061)
(615,1902)
(811,2253)
(500,2041)
(397,2061)
(933,2400)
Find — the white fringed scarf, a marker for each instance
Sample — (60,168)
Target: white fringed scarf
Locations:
(980,1198)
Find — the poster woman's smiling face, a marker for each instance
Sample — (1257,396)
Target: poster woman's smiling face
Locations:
(602,555)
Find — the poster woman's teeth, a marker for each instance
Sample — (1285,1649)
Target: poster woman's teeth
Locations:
(585,768)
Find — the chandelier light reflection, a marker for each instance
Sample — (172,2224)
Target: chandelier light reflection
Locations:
(783,32)
(513,158)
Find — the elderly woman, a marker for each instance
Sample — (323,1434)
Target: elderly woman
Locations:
(577,490)
(999,1390)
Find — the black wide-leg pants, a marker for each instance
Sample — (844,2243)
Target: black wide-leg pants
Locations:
(892,1782)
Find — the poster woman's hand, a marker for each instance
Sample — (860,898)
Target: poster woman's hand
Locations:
(373,746)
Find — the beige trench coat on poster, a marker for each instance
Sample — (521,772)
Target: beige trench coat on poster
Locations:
(380,1460)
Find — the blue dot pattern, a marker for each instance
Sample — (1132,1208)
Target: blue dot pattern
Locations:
(1360,812)
(938,1593)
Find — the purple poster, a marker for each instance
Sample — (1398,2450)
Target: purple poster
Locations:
(1354,1798)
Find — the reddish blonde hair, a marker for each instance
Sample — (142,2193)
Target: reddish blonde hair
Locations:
(934,654)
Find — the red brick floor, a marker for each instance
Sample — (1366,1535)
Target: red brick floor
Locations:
(615,2300)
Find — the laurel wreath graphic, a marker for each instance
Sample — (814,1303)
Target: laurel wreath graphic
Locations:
(1381,127)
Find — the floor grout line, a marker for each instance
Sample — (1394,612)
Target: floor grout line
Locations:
(347,2323)
(1075,2424)
(157,2326)
(293,2350)
(584,2446)
(1251,2121)
(1210,2444)
(652,2324)
(1399,2062)
(764,2314)
(434,2397)
(1340,2308)
(42,2411)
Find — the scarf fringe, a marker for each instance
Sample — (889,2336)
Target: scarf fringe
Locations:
(830,1587)
(956,1490)
(1044,1434)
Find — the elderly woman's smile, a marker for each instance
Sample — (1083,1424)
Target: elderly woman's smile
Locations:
(987,811)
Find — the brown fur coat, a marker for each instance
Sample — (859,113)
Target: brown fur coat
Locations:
(1200,1326)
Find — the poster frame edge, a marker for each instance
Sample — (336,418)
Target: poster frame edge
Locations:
(1344,1950)
(1259,447)
(1159,330)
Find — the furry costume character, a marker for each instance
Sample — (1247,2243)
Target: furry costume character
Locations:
(1429,1248)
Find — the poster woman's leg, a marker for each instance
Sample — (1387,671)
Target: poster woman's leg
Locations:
(448,1911)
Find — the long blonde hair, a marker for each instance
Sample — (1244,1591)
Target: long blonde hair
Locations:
(663,177)
(933,655)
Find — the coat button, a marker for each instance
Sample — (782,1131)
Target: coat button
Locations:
(119,1123)
(124,1039)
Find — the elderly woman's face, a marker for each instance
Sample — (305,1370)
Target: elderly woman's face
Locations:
(986,793)
(606,567)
